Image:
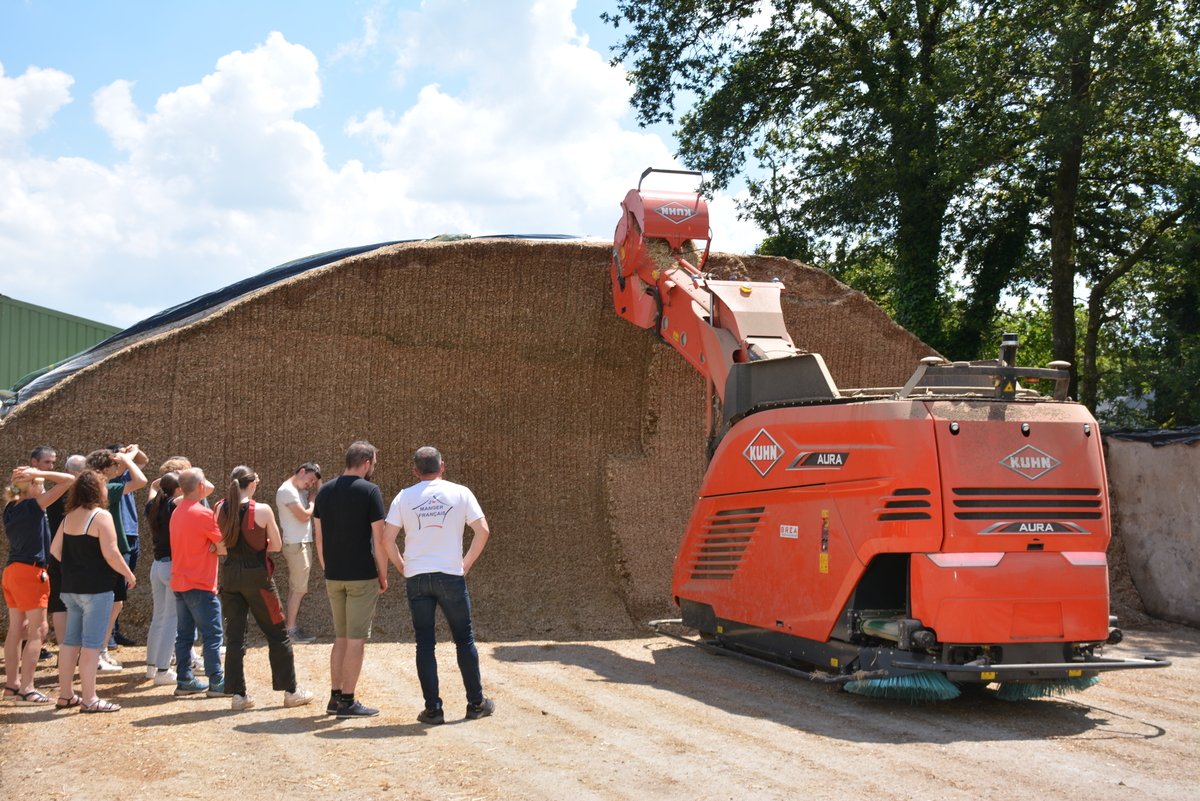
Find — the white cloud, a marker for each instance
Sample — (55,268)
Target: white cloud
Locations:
(28,102)
(534,142)
(221,181)
(118,116)
(358,48)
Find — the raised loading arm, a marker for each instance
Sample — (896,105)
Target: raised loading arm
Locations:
(659,283)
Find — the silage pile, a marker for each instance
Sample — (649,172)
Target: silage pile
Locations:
(581,435)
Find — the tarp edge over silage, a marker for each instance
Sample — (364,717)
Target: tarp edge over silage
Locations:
(179,316)
(191,311)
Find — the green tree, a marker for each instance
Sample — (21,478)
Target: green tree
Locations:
(868,118)
(1148,357)
(1109,87)
(1026,145)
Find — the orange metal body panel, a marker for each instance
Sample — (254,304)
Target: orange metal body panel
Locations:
(815,492)
(1027,597)
(673,216)
(746,570)
(821,523)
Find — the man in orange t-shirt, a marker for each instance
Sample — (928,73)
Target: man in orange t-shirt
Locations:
(195,545)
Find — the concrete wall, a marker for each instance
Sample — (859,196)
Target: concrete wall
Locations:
(1156,511)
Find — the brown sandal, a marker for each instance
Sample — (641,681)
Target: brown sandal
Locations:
(67,703)
(101,706)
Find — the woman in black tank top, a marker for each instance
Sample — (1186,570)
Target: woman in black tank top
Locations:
(250,535)
(86,545)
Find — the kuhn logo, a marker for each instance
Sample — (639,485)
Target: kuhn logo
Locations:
(1030,462)
(676,212)
(763,452)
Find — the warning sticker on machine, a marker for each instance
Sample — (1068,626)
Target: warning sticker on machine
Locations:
(791,532)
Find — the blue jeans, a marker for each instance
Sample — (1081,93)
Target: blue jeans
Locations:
(161,639)
(87,619)
(198,609)
(426,593)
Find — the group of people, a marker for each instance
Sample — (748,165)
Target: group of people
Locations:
(73,550)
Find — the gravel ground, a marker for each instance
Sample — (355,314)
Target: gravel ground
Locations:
(632,718)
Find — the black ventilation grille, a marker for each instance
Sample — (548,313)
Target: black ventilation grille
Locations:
(907,499)
(1028,503)
(727,535)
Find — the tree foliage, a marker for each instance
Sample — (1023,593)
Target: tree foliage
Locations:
(942,155)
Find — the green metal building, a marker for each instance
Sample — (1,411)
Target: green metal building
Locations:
(33,338)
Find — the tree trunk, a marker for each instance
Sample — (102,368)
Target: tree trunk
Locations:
(915,149)
(1089,383)
(918,275)
(1062,220)
(1007,242)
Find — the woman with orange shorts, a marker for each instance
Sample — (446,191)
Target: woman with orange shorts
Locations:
(26,583)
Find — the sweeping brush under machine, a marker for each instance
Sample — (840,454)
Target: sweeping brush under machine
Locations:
(899,540)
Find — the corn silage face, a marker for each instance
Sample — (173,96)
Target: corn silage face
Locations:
(581,435)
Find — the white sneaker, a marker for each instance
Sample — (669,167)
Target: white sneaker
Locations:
(107,664)
(240,702)
(162,677)
(151,671)
(298,698)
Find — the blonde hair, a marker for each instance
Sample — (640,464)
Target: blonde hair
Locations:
(17,488)
(176,464)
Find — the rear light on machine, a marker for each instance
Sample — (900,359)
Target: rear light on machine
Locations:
(1084,558)
(966,559)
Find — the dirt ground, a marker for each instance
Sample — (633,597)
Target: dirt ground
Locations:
(635,718)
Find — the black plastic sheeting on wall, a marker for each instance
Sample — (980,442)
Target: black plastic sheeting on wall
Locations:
(1156,436)
(198,308)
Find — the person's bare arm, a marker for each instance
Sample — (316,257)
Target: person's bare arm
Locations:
(482,532)
(139,458)
(263,516)
(303,513)
(390,533)
(107,534)
(216,540)
(381,553)
(62,483)
(56,543)
(137,479)
(317,541)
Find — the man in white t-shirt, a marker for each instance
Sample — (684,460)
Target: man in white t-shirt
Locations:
(433,516)
(295,523)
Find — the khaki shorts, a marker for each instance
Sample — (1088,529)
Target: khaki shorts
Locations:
(353,605)
(299,562)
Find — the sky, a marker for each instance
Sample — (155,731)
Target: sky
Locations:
(151,152)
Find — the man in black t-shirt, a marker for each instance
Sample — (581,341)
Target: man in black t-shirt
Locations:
(348,533)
